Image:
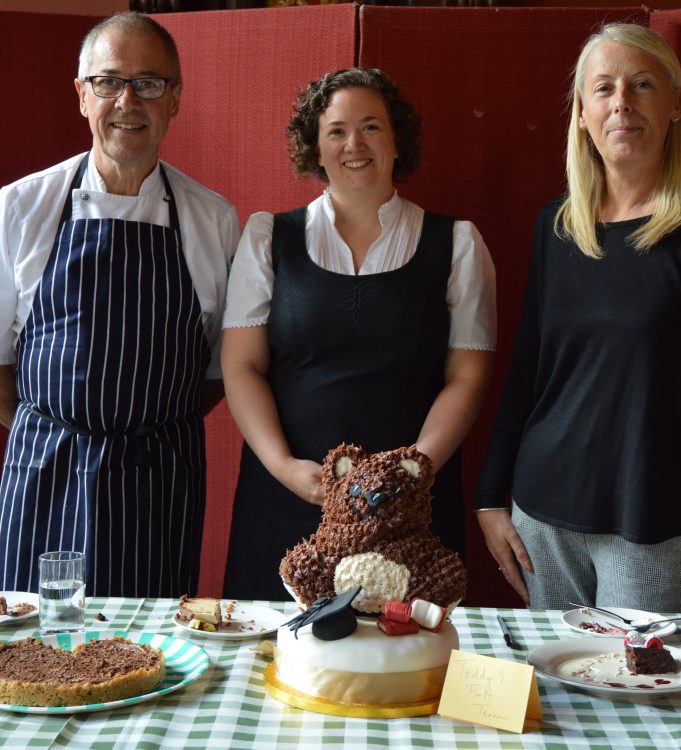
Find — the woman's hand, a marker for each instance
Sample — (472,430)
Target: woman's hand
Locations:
(303,478)
(244,359)
(506,548)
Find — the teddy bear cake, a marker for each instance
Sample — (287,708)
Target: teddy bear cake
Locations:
(373,556)
(374,533)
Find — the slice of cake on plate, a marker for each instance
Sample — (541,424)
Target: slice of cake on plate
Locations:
(200,612)
(647,655)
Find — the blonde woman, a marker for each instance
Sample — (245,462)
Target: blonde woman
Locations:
(586,438)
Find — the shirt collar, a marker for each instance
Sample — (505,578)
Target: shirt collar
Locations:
(388,212)
(93,180)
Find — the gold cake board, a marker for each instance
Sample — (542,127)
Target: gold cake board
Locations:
(292,697)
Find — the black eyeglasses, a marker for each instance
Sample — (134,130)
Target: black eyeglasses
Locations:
(111,87)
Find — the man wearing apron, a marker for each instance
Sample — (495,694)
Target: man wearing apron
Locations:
(113,271)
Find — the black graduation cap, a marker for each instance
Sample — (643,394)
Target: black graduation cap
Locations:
(332,617)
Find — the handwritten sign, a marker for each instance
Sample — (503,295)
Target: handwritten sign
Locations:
(492,692)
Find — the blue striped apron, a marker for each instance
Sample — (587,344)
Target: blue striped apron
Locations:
(106,451)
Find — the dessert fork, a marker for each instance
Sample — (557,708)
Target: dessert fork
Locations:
(605,612)
(646,627)
(637,625)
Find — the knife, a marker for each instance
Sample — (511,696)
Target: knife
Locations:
(507,633)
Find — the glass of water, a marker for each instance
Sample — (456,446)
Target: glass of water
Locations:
(62,592)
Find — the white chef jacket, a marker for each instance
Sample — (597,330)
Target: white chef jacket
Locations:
(471,289)
(30,209)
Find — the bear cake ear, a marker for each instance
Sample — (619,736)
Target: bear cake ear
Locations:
(342,467)
(415,463)
(340,460)
(410,466)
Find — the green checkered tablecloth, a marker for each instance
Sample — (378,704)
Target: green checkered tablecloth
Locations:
(228,708)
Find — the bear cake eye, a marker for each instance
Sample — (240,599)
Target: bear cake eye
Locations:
(355,490)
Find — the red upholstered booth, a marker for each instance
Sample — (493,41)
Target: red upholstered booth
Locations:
(39,60)
(667,23)
(490,84)
(242,70)
(491,88)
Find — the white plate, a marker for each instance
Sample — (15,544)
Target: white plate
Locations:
(248,621)
(575,616)
(18,597)
(184,663)
(560,659)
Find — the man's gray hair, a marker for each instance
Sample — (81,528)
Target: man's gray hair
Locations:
(129,22)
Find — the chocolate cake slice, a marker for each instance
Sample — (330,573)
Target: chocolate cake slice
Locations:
(647,655)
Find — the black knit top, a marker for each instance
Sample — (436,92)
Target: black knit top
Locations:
(587,436)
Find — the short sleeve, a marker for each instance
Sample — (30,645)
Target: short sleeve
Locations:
(8,292)
(229,234)
(471,291)
(251,279)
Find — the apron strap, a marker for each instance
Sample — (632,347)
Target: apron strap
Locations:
(139,432)
(136,438)
(169,197)
(67,211)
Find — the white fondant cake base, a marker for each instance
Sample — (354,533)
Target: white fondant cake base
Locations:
(367,666)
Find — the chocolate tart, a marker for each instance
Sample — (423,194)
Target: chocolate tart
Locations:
(34,674)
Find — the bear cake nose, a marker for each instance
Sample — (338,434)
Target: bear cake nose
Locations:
(375,499)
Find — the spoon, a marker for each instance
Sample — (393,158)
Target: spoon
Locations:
(637,625)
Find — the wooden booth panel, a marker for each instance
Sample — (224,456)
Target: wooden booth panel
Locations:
(491,86)
(242,71)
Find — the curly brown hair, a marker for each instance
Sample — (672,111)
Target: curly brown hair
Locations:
(303,128)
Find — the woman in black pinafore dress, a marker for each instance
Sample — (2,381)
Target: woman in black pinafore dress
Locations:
(358,319)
